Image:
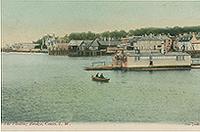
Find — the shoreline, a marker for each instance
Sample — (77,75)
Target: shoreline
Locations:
(74,126)
(15,51)
(152,68)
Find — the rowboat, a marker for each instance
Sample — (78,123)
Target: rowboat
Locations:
(100,79)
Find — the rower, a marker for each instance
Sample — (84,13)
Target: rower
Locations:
(101,76)
(97,75)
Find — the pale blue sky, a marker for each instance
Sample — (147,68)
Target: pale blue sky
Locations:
(28,20)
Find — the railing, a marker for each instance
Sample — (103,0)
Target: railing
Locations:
(196,61)
(99,62)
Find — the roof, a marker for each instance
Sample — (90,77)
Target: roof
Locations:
(134,38)
(184,37)
(150,38)
(106,43)
(164,37)
(90,43)
(132,53)
(194,40)
(103,42)
(75,42)
(87,41)
(94,43)
(198,42)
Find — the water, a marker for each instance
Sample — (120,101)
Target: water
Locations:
(38,87)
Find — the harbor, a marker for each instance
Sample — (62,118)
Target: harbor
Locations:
(88,65)
(132,61)
(60,83)
(138,53)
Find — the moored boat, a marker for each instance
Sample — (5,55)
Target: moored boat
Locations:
(100,79)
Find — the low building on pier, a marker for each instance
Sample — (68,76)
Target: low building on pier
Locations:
(153,60)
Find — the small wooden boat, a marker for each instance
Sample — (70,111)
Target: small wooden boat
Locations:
(100,79)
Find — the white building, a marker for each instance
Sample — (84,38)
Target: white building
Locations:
(184,45)
(151,43)
(146,44)
(24,46)
(153,60)
(188,43)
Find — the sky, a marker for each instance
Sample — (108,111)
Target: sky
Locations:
(29,20)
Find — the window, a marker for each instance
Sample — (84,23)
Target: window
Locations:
(180,58)
(131,43)
(150,57)
(137,58)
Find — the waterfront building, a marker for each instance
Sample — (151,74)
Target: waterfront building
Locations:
(183,42)
(184,45)
(24,47)
(58,49)
(129,42)
(84,48)
(131,59)
(108,44)
(190,44)
(125,40)
(91,47)
(194,47)
(48,41)
(195,43)
(110,47)
(149,43)
(168,42)
(73,47)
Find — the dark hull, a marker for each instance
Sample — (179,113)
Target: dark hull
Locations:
(100,79)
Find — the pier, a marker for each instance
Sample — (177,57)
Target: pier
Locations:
(195,64)
(150,68)
(195,61)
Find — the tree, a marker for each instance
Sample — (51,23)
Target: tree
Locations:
(106,35)
(90,35)
(123,33)
(117,35)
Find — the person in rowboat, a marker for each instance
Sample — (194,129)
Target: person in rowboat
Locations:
(97,75)
(101,76)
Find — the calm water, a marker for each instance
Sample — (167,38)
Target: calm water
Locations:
(38,87)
